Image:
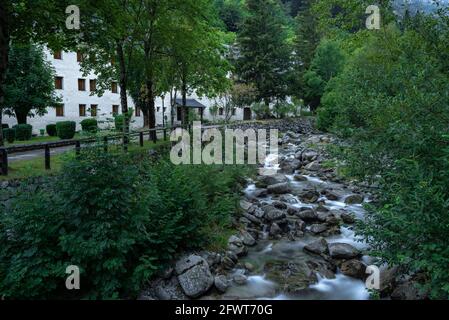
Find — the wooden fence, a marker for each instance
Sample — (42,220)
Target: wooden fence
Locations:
(47,146)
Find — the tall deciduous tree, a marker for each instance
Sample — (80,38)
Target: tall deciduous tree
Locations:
(25,20)
(265,54)
(29,83)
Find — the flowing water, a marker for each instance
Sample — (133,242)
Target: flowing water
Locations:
(259,286)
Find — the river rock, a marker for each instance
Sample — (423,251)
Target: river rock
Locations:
(347,218)
(245,205)
(273,214)
(240,279)
(313,166)
(264,181)
(279,205)
(300,178)
(248,266)
(319,246)
(252,218)
(354,268)
(331,195)
(279,188)
(290,165)
(407,291)
(354,199)
(275,229)
(309,155)
(288,198)
(318,228)
(221,283)
(194,276)
(260,193)
(248,239)
(307,215)
(343,251)
(309,196)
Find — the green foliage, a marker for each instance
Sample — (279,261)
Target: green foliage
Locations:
(232,13)
(262,110)
(118,218)
(29,84)
(264,51)
(89,125)
(51,130)
(391,102)
(23,132)
(66,129)
(119,118)
(326,64)
(283,109)
(5,126)
(9,135)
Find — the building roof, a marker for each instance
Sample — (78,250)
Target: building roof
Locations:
(190,103)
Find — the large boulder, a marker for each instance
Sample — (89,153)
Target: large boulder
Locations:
(408,291)
(194,276)
(313,166)
(264,181)
(248,239)
(279,188)
(221,283)
(318,228)
(343,251)
(307,215)
(354,268)
(309,196)
(290,165)
(318,247)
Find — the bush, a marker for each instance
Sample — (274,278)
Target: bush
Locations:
(262,111)
(117,218)
(23,132)
(51,130)
(89,125)
(66,129)
(9,135)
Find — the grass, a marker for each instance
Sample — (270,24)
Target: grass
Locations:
(35,167)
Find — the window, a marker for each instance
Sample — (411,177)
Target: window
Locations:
(93,110)
(93,85)
(137,112)
(233,111)
(114,88)
(82,84)
(164,109)
(115,110)
(58,83)
(82,110)
(220,111)
(57,55)
(158,109)
(60,110)
(79,57)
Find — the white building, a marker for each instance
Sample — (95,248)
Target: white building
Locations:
(79,103)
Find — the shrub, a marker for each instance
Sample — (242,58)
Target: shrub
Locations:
(117,218)
(262,111)
(9,135)
(23,132)
(51,130)
(89,125)
(66,129)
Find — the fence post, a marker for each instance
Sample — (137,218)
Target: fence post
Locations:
(105,144)
(4,162)
(77,148)
(141,138)
(47,157)
(154,136)
(165,134)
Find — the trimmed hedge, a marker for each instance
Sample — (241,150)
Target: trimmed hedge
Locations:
(66,129)
(51,130)
(89,125)
(23,132)
(9,135)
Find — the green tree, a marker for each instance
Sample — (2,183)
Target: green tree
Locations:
(25,20)
(264,51)
(326,64)
(232,13)
(29,84)
(305,43)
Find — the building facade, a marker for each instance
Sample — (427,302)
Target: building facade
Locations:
(79,101)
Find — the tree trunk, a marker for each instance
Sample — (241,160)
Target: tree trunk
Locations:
(150,107)
(21,117)
(4,51)
(184,111)
(123,93)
